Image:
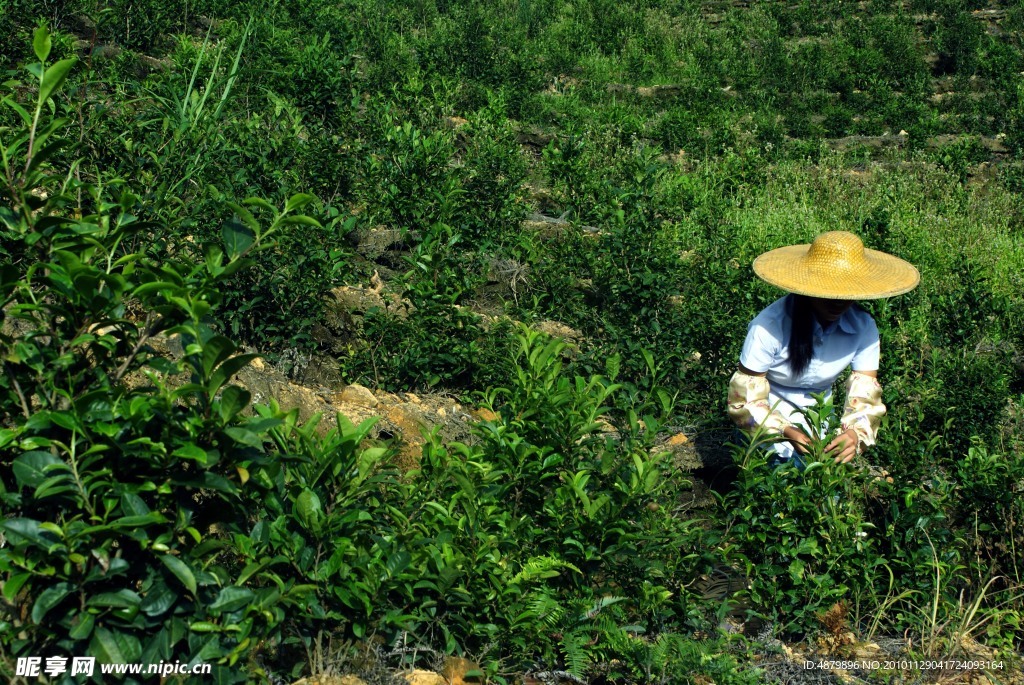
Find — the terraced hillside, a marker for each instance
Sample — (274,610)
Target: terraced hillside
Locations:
(529,225)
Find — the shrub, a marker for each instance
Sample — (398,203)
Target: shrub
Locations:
(118,483)
(801,536)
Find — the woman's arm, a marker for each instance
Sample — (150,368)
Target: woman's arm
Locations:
(862,414)
(749,408)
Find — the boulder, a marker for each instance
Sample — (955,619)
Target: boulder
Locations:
(358,395)
(457,670)
(421,677)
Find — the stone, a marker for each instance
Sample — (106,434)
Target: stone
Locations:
(455,122)
(331,680)
(359,300)
(677,440)
(407,421)
(457,670)
(421,677)
(558,330)
(358,395)
(485,414)
(684,453)
(865,651)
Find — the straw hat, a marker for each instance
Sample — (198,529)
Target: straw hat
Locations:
(836,266)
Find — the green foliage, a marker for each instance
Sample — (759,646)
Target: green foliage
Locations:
(543,478)
(112,490)
(495,170)
(149,510)
(279,302)
(410,178)
(801,534)
(428,339)
(321,77)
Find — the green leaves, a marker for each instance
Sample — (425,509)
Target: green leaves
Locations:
(232,401)
(238,238)
(181,571)
(309,510)
(53,77)
(127,489)
(41,43)
(49,599)
(31,468)
(805,529)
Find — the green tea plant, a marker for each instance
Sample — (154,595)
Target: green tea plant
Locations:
(603,551)
(322,77)
(801,535)
(429,339)
(495,170)
(692,137)
(143,26)
(121,466)
(409,181)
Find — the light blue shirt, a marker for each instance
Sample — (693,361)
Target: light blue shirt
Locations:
(852,340)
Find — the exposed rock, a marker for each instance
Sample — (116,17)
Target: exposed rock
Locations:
(485,414)
(993,144)
(457,670)
(869,650)
(658,91)
(551,227)
(404,418)
(354,299)
(421,677)
(558,330)
(989,14)
(876,142)
(331,680)
(677,440)
(152,63)
(455,122)
(375,241)
(535,138)
(408,418)
(359,395)
(104,52)
(684,454)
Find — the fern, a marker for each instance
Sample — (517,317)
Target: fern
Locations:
(544,608)
(537,568)
(574,647)
(601,604)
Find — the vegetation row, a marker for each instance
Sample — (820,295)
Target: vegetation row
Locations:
(208,173)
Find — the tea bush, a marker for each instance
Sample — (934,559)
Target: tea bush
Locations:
(113,489)
(677,142)
(803,535)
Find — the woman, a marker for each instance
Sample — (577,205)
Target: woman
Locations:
(801,343)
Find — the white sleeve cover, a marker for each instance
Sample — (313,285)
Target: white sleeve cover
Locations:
(749,407)
(864,409)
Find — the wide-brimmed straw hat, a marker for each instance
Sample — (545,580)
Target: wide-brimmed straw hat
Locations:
(837,266)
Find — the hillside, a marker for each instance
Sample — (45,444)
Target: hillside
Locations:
(505,249)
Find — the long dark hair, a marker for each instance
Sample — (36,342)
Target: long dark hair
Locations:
(801,333)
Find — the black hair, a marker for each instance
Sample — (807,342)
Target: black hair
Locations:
(801,333)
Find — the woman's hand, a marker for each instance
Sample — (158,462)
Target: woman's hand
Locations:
(844,447)
(801,441)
